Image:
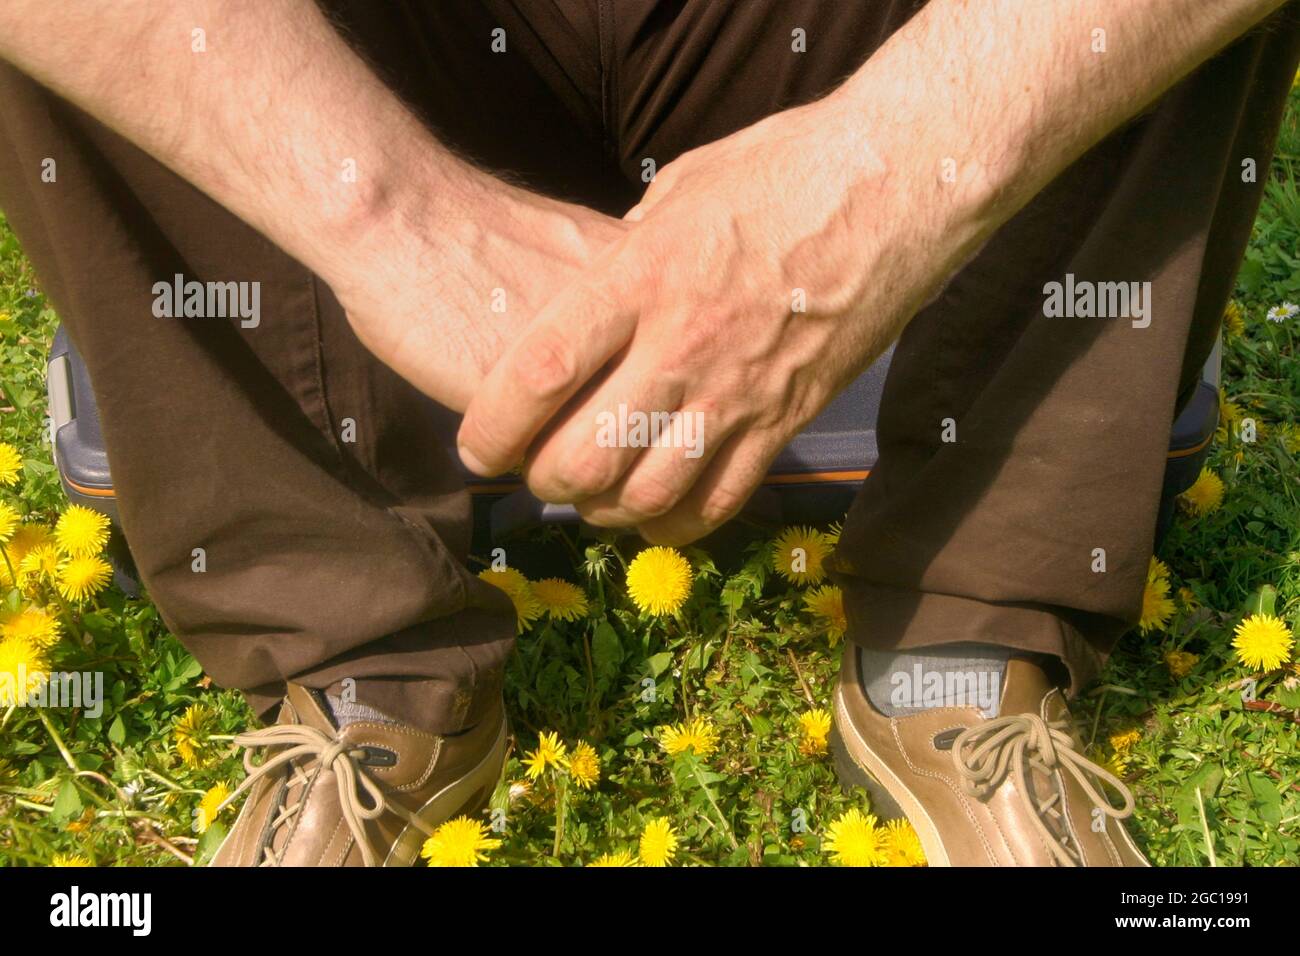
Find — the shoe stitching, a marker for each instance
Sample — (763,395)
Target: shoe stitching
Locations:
(961,798)
(421,735)
(320,856)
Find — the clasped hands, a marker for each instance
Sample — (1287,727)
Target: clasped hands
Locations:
(757,277)
(745,292)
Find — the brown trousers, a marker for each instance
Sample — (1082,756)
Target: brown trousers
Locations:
(329,559)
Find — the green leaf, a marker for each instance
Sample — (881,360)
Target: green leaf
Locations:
(209,843)
(98,623)
(760,725)
(658,663)
(1265,799)
(1209,777)
(117,731)
(67,805)
(606,651)
(1287,698)
(1252,275)
(697,658)
(1263,601)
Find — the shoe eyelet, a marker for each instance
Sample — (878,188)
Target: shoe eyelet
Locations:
(376,756)
(944,739)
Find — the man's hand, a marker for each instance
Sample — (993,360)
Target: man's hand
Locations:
(439,301)
(854,209)
(753,287)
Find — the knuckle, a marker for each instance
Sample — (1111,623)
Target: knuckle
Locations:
(550,369)
(483,443)
(601,514)
(721,505)
(594,474)
(648,498)
(579,479)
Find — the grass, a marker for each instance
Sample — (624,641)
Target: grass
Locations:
(1216,775)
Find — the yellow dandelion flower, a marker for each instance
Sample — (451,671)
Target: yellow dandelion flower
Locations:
(826,604)
(33,624)
(209,807)
(1205,496)
(833,533)
(1230,417)
(459,842)
(618,858)
(11,464)
(815,726)
(190,734)
(70,859)
(799,554)
(23,667)
(1188,599)
(1180,663)
(1124,740)
(1157,608)
(507,579)
(9,520)
(658,843)
(550,752)
(80,578)
(696,735)
(1116,763)
(81,532)
(659,581)
(520,591)
(39,565)
(1262,642)
(1234,322)
(560,600)
(1289,432)
(1157,570)
(25,539)
(902,845)
(855,840)
(584,765)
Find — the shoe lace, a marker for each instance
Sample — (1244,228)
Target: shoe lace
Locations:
(305,747)
(986,753)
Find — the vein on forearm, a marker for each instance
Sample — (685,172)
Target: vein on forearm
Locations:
(1014,92)
(262,120)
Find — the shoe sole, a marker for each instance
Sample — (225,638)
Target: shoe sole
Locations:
(464,795)
(857,765)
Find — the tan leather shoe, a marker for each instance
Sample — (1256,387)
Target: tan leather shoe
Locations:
(1012,790)
(365,795)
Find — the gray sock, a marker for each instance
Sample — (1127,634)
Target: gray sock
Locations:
(947,675)
(350,711)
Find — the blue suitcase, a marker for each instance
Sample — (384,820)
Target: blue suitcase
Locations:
(812,481)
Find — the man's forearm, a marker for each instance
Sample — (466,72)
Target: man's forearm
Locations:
(267,110)
(437,263)
(978,104)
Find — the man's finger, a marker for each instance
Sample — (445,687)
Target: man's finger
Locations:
(569,341)
(730,480)
(608,430)
(662,476)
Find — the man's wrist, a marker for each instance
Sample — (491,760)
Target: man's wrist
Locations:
(414,199)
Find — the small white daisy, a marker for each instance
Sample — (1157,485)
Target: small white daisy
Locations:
(1280,313)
